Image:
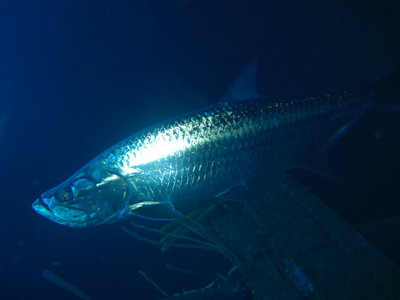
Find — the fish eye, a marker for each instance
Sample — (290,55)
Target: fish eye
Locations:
(65,195)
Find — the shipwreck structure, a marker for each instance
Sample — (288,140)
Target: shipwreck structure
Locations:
(284,244)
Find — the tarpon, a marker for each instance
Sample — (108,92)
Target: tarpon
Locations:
(160,172)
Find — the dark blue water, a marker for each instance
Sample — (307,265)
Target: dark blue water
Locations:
(78,76)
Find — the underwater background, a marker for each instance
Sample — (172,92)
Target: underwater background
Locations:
(78,76)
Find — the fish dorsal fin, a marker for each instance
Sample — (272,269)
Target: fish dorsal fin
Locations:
(245,85)
(155,210)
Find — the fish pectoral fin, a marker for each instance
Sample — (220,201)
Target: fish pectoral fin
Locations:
(155,210)
(236,193)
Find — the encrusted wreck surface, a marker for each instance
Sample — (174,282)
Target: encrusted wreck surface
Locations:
(286,244)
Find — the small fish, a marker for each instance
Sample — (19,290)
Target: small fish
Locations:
(160,172)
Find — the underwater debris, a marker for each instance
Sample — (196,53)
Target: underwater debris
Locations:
(229,287)
(182,227)
(284,244)
(153,283)
(190,241)
(57,280)
(186,232)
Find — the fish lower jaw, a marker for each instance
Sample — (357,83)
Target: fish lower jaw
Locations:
(43,209)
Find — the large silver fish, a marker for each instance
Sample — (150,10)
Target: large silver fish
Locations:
(160,172)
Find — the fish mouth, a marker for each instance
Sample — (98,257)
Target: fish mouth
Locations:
(65,216)
(42,208)
(44,204)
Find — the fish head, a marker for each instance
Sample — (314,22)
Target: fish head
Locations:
(85,199)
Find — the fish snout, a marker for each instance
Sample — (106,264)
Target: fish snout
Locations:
(41,207)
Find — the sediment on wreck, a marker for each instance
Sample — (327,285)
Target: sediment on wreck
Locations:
(286,244)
